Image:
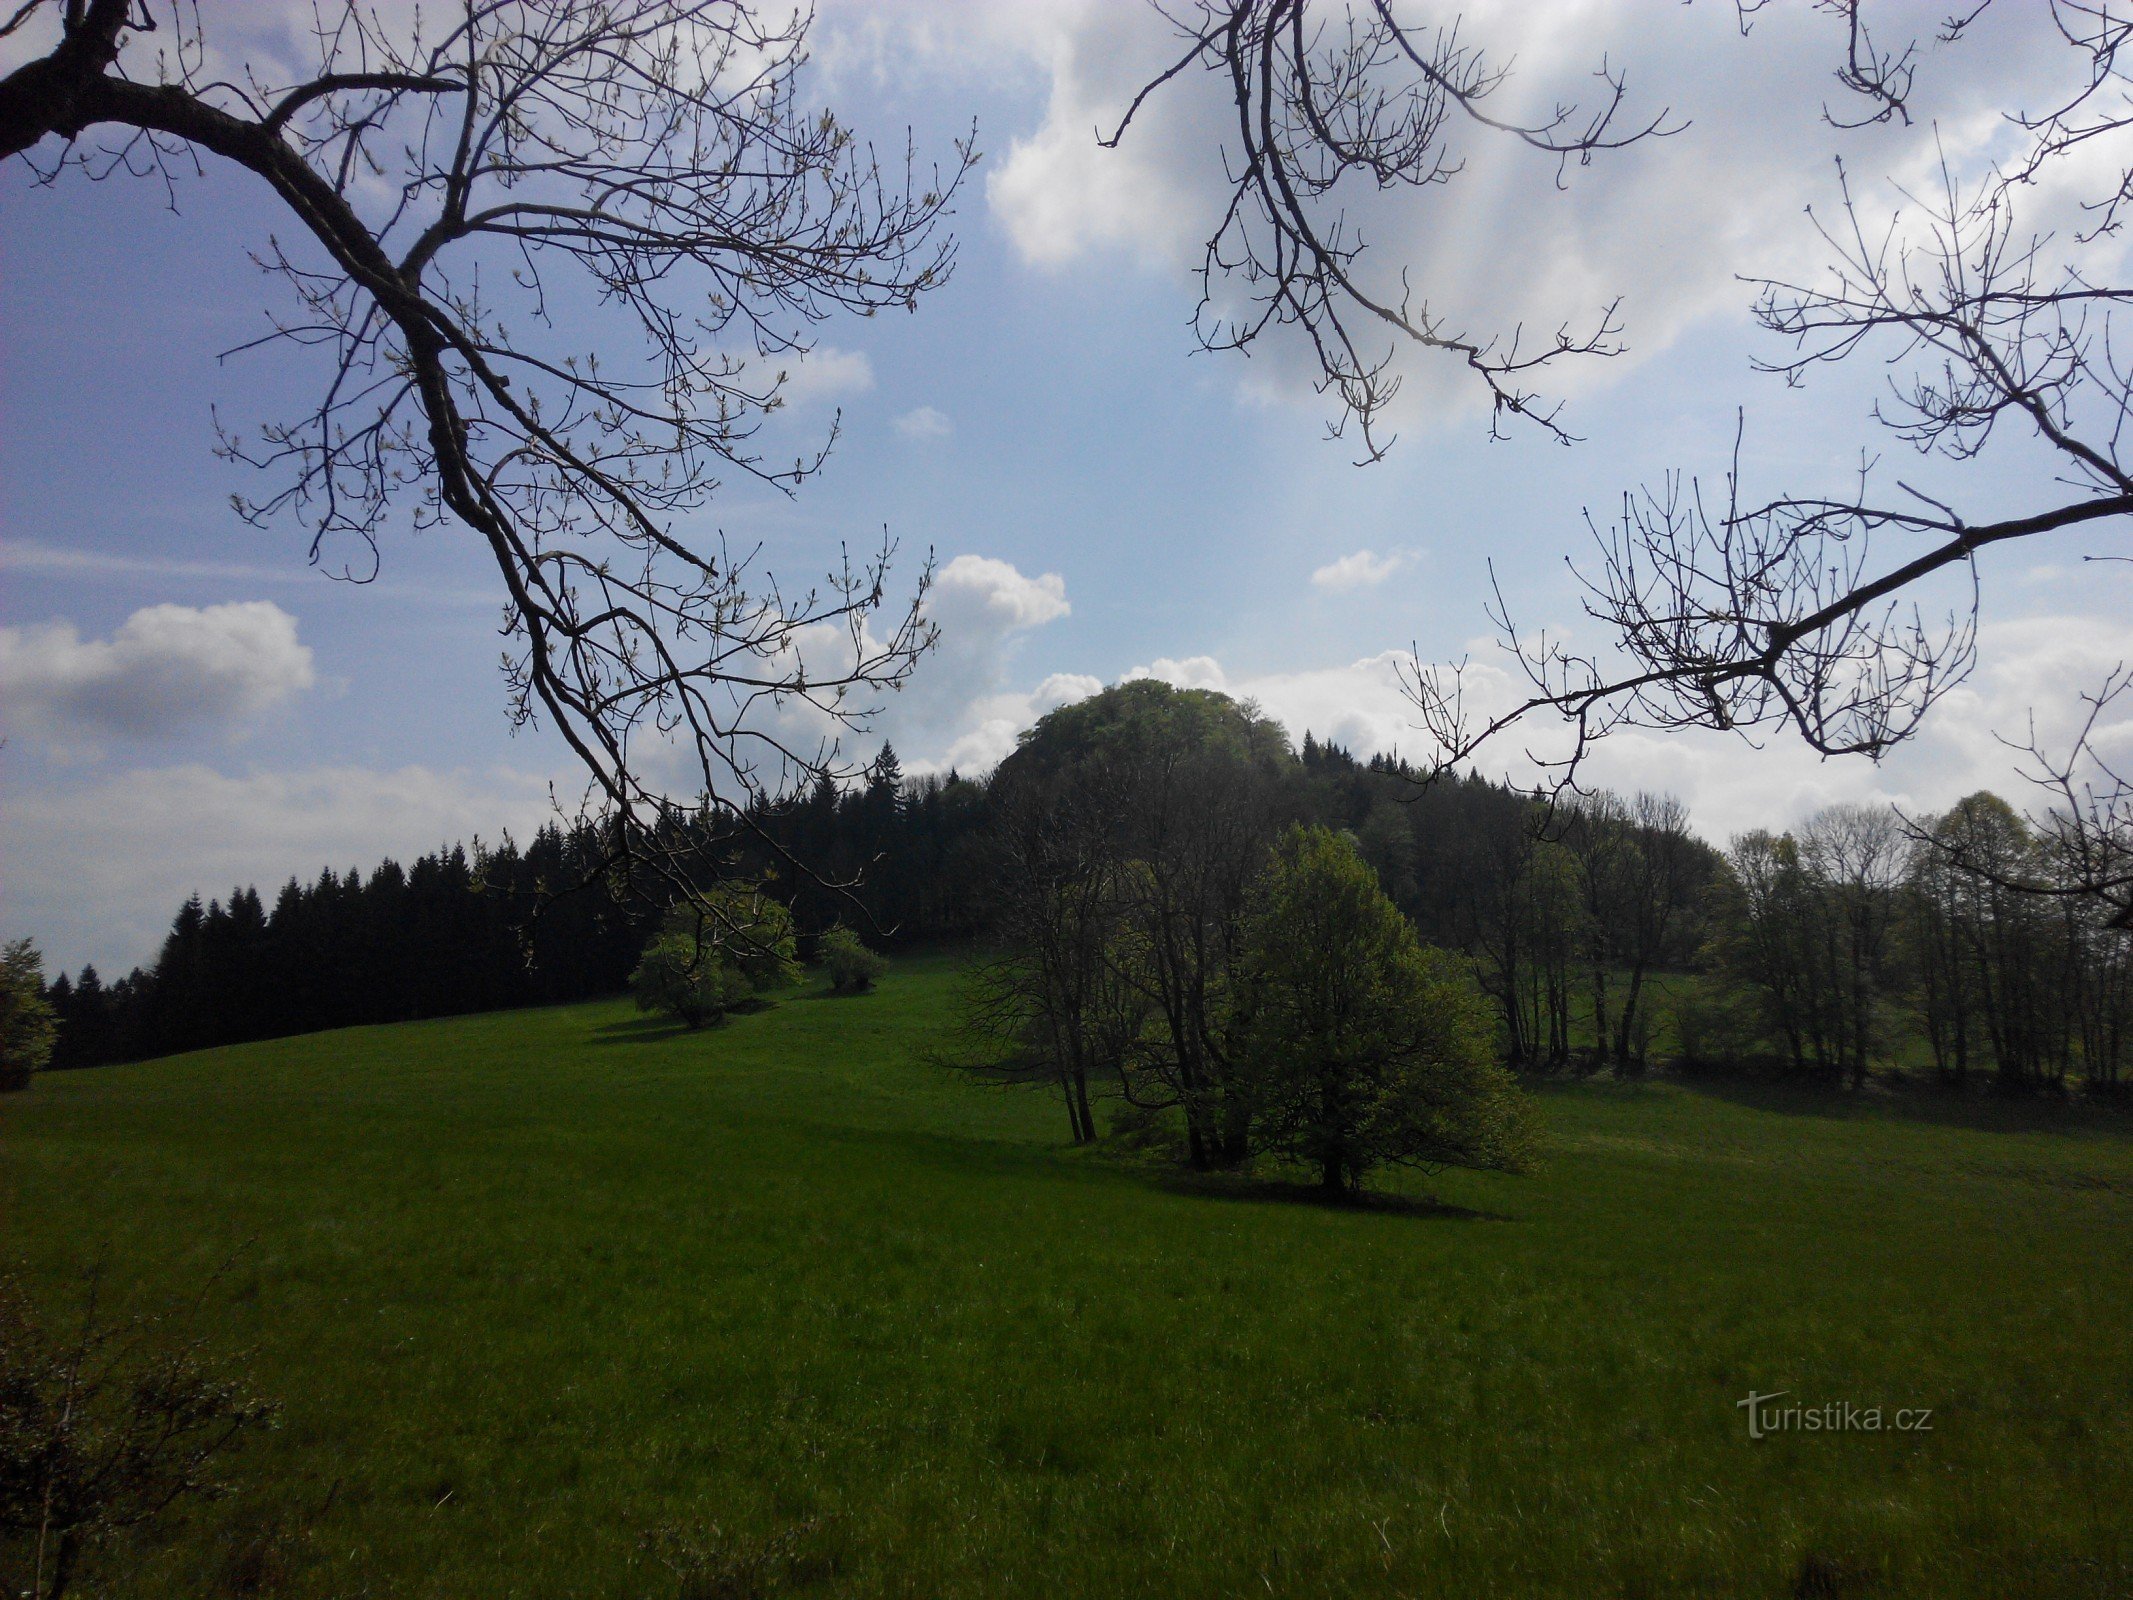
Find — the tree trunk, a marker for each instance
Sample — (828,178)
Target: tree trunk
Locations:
(63,1564)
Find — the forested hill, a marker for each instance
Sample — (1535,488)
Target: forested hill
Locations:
(454,931)
(1831,951)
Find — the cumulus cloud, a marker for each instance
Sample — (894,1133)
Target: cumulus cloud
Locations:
(958,710)
(977,594)
(1194,672)
(1365,569)
(991,724)
(168,669)
(1667,225)
(826,373)
(95,869)
(925,423)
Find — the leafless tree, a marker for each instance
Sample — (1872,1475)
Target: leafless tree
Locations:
(1727,610)
(1053,1002)
(1759,615)
(560,257)
(1334,100)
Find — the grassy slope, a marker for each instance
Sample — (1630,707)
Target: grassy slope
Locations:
(531,1285)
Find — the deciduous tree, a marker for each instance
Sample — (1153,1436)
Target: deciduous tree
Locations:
(1360,1047)
(28,1024)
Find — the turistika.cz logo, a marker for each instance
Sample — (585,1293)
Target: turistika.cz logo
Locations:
(1766,1416)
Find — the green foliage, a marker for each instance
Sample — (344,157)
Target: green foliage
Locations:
(716,953)
(1126,832)
(104,1424)
(1145,717)
(679,978)
(542,1262)
(852,967)
(28,1027)
(1362,1048)
(1713,1026)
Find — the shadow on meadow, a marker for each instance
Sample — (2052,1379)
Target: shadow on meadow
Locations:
(640,1030)
(1980,1109)
(655,1029)
(1283,1191)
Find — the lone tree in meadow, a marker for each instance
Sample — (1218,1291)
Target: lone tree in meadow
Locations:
(1361,1047)
(715,952)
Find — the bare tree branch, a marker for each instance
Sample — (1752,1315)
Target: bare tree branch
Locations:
(1358,97)
(1756,616)
(473,196)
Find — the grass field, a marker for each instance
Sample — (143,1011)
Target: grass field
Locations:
(565,1303)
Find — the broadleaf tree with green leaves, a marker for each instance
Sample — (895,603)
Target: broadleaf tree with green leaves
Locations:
(1363,1048)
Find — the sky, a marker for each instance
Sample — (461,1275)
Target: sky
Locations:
(189,703)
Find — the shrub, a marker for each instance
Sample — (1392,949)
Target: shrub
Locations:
(104,1425)
(851,965)
(1710,1029)
(715,953)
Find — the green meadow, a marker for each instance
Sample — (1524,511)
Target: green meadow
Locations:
(573,1303)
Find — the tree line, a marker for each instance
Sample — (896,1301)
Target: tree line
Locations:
(1858,940)
(483,927)
(1850,945)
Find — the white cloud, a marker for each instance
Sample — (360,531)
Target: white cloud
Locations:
(28,555)
(825,373)
(2035,664)
(1194,672)
(925,423)
(1364,569)
(957,710)
(110,568)
(95,870)
(167,669)
(973,587)
(1512,240)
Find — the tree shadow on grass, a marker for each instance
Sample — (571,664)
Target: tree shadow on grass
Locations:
(1277,1191)
(1980,1110)
(642,1030)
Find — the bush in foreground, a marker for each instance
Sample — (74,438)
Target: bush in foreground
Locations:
(104,1425)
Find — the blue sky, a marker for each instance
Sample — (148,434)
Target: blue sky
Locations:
(188,704)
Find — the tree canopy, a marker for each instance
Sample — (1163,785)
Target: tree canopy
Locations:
(1359,1047)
